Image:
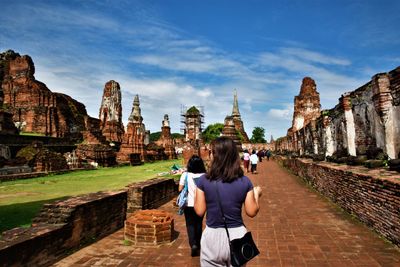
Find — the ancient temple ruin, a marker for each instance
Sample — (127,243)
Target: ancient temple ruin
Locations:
(110,113)
(237,119)
(229,130)
(365,120)
(34,107)
(133,143)
(166,141)
(192,120)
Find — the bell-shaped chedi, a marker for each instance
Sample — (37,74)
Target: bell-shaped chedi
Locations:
(237,119)
(166,140)
(306,105)
(34,107)
(134,137)
(110,113)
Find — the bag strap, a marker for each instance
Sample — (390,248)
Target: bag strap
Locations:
(186,181)
(222,212)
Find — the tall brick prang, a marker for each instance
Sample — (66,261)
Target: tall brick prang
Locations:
(110,113)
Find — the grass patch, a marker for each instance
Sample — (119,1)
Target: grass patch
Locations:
(21,200)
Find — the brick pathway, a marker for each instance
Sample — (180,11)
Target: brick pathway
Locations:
(295,227)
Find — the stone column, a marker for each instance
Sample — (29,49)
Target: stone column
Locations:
(314,135)
(349,124)
(329,144)
(384,106)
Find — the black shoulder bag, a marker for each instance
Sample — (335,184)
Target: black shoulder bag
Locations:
(242,249)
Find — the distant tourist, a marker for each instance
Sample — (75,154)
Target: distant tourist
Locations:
(194,223)
(224,187)
(260,155)
(246,160)
(253,161)
(268,154)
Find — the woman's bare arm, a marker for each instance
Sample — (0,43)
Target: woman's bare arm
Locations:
(251,206)
(200,203)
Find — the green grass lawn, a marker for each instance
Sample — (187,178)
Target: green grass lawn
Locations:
(21,200)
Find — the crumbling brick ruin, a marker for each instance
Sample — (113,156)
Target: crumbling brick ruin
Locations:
(110,113)
(365,120)
(166,140)
(134,137)
(237,119)
(34,107)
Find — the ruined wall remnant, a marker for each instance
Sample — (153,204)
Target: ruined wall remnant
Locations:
(110,113)
(34,107)
(134,137)
(365,119)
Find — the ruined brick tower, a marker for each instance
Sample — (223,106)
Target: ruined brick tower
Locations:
(34,107)
(306,105)
(193,121)
(229,130)
(110,113)
(133,141)
(237,119)
(166,140)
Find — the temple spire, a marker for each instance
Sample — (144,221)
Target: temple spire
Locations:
(235,110)
(136,115)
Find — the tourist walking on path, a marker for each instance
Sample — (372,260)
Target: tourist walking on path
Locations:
(235,189)
(246,160)
(194,223)
(253,161)
(268,154)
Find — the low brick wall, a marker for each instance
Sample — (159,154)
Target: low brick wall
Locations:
(66,225)
(373,196)
(150,194)
(62,226)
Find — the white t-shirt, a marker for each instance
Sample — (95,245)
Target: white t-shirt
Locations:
(191,185)
(253,159)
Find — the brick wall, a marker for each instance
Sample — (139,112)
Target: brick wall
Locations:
(66,225)
(372,196)
(150,194)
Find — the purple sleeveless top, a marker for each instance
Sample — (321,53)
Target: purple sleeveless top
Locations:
(232,197)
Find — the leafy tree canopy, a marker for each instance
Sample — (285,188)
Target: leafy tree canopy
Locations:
(258,135)
(177,135)
(212,132)
(155,136)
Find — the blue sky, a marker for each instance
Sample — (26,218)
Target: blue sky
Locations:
(175,53)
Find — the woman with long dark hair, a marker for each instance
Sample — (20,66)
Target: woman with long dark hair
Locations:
(194,223)
(234,189)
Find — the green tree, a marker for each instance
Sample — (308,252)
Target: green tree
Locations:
(258,135)
(177,135)
(155,136)
(212,132)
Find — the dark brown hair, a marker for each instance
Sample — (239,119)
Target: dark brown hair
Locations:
(225,164)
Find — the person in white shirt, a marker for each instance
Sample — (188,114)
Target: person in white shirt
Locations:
(253,161)
(194,223)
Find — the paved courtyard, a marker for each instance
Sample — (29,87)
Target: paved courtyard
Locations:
(295,227)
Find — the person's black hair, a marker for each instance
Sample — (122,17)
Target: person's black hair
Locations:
(246,151)
(225,164)
(196,165)
(253,152)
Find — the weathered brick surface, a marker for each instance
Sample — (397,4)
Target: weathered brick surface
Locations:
(62,226)
(372,196)
(149,227)
(150,194)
